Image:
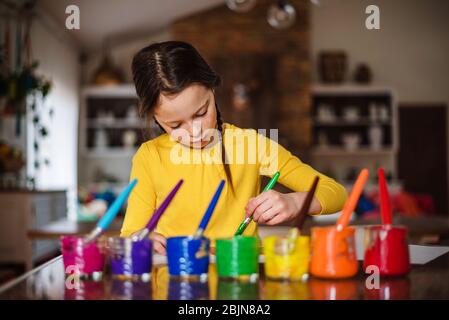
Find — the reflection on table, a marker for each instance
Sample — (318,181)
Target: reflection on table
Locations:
(49,282)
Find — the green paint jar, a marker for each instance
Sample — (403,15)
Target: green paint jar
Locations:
(238,257)
(237,290)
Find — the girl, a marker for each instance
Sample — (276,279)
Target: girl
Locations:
(176,87)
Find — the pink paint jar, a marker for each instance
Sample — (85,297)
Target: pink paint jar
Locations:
(85,259)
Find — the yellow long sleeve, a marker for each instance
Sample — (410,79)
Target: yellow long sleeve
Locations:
(298,176)
(158,167)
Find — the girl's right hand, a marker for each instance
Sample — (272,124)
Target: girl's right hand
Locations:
(159,243)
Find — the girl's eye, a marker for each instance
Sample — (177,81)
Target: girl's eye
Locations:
(202,113)
(176,127)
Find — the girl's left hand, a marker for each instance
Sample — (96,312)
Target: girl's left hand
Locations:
(272,207)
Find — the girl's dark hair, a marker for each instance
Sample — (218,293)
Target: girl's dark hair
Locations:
(168,68)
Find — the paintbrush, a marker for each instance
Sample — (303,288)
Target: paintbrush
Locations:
(110,214)
(351,203)
(248,219)
(208,214)
(151,225)
(301,217)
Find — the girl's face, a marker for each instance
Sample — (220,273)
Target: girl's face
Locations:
(188,116)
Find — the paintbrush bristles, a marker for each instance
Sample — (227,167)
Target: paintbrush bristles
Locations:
(301,217)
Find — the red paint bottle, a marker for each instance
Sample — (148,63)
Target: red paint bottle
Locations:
(389,289)
(387,248)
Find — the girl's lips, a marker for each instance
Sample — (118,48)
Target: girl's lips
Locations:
(202,140)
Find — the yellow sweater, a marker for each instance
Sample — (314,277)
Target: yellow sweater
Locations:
(161,162)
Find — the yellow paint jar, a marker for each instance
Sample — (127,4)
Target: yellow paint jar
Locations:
(286,259)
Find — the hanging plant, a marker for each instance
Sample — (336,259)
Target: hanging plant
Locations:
(22,89)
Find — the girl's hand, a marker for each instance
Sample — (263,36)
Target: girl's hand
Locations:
(159,243)
(272,207)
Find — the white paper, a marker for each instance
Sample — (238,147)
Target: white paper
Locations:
(425,254)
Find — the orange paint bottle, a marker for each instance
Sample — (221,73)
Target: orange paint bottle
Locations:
(333,253)
(324,289)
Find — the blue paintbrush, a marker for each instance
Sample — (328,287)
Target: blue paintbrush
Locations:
(209,211)
(110,214)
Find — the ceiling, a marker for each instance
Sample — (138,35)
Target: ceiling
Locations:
(121,19)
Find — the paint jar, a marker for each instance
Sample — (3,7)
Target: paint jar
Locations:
(188,257)
(188,290)
(80,289)
(286,259)
(130,290)
(388,289)
(237,290)
(285,290)
(238,258)
(130,258)
(84,259)
(323,289)
(333,253)
(386,247)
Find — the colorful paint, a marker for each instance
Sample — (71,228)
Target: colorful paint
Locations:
(86,259)
(333,252)
(238,257)
(321,289)
(387,248)
(285,290)
(85,290)
(188,290)
(389,289)
(237,290)
(130,290)
(285,258)
(188,257)
(130,258)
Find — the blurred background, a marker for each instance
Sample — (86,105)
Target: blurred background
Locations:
(342,95)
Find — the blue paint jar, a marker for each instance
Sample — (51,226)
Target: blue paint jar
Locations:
(188,257)
(188,290)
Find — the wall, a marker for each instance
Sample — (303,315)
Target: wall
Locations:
(58,60)
(409,53)
(222,32)
(121,55)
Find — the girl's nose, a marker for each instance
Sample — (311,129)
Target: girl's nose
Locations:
(195,129)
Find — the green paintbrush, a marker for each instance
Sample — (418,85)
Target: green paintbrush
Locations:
(248,219)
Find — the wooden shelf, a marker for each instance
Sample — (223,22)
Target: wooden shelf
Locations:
(350,89)
(332,151)
(106,108)
(117,124)
(111,153)
(356,123)
(112,91)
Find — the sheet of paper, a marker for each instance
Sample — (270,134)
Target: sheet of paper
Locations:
(425,254)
